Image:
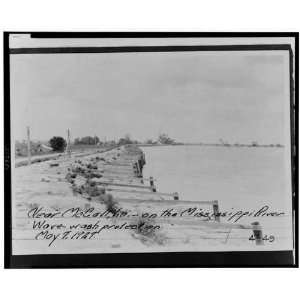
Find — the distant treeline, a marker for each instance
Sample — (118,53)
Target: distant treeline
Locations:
(94,140)
(163,139)
(58,143)
(87,140)
(253,144)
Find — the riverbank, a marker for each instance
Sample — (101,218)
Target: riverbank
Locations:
(112,207)
(80,151)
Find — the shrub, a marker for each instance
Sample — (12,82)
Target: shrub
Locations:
(110,203)
(58,143)
(147,232)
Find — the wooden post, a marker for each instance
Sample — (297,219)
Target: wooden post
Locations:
(28,146)
(152,184)
(135,170)
(257,232)
(140,162)
(176,196)
(216,210)
(139,173)
(68,143)
(151,181)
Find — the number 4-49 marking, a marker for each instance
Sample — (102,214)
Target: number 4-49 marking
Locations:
(269,238)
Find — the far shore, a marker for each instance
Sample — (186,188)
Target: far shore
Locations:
(214,145)
(77,149)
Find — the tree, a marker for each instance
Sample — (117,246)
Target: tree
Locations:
(77,141)
(96,140)
(125,140)
(58,143)
(87,140)
(149,141)
(165,139)
(111,143)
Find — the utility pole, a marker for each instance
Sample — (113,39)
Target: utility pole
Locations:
(68,143)
(28,146)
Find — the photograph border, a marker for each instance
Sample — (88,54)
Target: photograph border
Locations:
(161,259)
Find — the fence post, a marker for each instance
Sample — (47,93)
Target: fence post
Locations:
(176,196)
(140,162)
(144,158)
(28,146)
(134,169)
(257,232)
(139,173)
(152,184)
(216,210)
(151,181)
(137,169)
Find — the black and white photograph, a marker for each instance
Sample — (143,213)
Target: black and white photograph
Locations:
(122,145)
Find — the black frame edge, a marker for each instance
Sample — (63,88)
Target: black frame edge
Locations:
(260,258)
(242,259)
(135,49)
(7,158)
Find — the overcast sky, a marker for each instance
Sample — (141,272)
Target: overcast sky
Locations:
(192,96)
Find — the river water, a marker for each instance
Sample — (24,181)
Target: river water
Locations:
(244,178)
